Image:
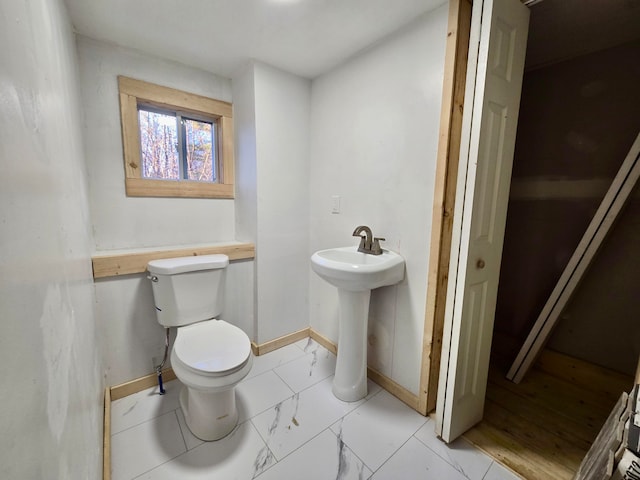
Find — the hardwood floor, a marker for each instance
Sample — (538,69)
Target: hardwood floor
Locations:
(543,427)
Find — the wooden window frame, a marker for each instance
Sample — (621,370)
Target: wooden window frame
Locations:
(134,92)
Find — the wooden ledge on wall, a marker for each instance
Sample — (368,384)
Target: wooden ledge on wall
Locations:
(125,262)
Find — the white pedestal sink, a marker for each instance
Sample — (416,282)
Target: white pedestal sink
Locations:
(355,274)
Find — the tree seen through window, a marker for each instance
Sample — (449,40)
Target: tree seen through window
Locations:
(174,147)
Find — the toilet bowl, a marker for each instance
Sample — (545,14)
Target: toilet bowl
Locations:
(209,356)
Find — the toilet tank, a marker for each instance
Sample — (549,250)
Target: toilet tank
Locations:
(188,289)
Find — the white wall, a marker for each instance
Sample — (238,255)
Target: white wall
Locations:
(282,144)
(271,110)
(374,135)
(246,201)
(129,222)
(51,415)
(130,335)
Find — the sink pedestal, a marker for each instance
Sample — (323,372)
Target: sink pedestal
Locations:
(355,274)
(350,380)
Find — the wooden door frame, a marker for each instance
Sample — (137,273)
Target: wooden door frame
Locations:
(455,70)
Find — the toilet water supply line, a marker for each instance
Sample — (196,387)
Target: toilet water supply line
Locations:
(164,359)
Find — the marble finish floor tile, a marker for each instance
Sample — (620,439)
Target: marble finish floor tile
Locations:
(291,427)
(468,460)
(300,418)
(323,457)
(308,370)
(143,406)
(378,428)
(416,461)
(143,447)
(257,394)
(271,360)
(190,440)
(240,455)
(307,344)
(498,472)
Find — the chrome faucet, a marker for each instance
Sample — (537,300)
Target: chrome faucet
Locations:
(368,243)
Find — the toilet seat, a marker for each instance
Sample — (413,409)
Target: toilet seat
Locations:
(212,348)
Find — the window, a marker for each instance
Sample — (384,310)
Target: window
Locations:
(176,147)
(176,144)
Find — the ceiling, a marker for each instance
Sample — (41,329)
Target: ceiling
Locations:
(304,37)
(310,37)
(563,29)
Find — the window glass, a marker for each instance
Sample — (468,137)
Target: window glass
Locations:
(159,145)
(200,150)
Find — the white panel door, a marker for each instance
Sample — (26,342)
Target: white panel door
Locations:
(490,129)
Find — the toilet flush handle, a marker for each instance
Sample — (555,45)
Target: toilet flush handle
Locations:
(153,278)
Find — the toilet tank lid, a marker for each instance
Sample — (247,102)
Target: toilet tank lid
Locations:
(172,266)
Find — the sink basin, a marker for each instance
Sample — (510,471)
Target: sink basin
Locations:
(355,274)
(346,268)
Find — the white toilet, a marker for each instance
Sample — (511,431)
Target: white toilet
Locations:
(209,356)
